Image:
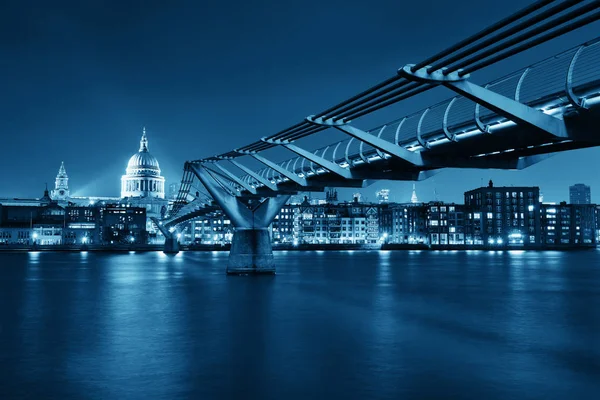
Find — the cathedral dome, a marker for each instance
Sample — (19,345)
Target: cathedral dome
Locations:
(143,160)
(142,178)
(143,163)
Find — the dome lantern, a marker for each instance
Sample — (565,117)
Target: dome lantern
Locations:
(144,141)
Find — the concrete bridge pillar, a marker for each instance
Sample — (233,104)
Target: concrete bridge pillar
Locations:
(251,251)
(171,244)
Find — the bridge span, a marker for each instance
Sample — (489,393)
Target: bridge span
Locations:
(510,123)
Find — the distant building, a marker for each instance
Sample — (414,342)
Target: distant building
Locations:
(383,196)
(122,225)
(445,223)
(173,191)
(343,223)
(282,228)
(212,228)
(568,224)
(503,215)
(414,199)
(580,194)
(81,225)
(331,196)
(403,223)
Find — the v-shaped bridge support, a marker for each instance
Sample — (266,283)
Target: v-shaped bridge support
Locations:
(251,251)
(171,241)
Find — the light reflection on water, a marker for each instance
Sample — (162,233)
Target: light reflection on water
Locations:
(344,324)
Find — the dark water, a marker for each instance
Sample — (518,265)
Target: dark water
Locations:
(347,325)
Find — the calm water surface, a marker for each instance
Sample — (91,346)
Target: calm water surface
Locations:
(348,325)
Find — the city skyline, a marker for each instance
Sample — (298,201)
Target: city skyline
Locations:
(85,80)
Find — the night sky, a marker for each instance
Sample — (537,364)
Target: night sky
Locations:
(81,78)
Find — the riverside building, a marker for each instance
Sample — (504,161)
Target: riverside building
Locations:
(499,216)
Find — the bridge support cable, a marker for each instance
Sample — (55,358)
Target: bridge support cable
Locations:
(571,23)
(491,29)
(528,45)
(251,250)
(495,38)
(358,96)
(407,90)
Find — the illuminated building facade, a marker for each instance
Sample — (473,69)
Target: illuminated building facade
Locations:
(568,224)
(499,216)
(445,223)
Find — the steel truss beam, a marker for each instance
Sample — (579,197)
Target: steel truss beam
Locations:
(265,182)
(235,178)
(280,170)
(320,161)
(513,110)
(378,143)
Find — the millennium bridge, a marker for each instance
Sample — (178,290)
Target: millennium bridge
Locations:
(510,123)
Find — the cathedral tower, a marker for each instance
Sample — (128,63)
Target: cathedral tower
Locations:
(61,185)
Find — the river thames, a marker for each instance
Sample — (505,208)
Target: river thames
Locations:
(348,324)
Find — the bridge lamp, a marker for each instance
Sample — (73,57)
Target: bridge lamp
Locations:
(179,236)
(491,241)
(499,241)
(171,229)
(84,240)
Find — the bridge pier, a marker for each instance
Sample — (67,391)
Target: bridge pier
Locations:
(251,250)
(171,245)
(251,253)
